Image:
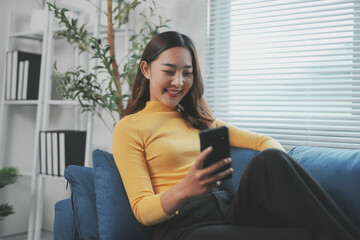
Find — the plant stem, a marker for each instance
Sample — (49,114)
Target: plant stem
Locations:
(115,67)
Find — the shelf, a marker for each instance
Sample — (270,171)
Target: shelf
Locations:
(62,178)
(62,103)
(28,35)
(22,36)
(90,30)
(28,174)
(21,102)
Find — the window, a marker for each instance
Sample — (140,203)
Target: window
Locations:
(287,69)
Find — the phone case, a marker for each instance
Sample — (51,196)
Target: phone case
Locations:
(218,138)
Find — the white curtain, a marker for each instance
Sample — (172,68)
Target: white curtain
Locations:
(287,69)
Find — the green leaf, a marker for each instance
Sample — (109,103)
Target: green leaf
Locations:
(5,210)
(98,67)
(8,175)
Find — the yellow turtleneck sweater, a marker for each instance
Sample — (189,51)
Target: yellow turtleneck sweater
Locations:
(154,149)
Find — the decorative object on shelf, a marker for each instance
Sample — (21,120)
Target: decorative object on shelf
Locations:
(59,149)
(106,91)
(7,176)
(22,75)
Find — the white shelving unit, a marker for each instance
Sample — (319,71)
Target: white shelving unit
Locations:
(45,40)
(45,104)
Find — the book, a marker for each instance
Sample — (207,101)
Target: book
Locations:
(49,169)
(75,143)
(25,80)
(22,75)
(55,154)
(59,149)
(14,74)
(8,75)
(42,151)
(20,79)
(61,153)
(31,76)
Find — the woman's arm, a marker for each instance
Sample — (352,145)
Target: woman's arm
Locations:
(247,139)
(128,152)
(196,182)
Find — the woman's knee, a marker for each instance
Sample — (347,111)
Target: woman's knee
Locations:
(271,157)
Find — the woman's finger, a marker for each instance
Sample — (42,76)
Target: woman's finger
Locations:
(201,158)
(214,167)
(218,177)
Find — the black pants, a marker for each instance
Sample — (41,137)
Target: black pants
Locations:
(276,199)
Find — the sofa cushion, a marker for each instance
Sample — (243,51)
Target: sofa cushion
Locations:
(338,171)
(240,159)
(64,226)
(115,217)
(83,200)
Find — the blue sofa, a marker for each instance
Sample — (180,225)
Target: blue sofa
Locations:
(99,208)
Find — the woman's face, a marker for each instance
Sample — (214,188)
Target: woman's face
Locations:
(170,76)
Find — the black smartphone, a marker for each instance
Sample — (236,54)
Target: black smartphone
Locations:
(218,138)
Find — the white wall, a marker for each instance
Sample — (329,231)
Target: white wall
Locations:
(188,17)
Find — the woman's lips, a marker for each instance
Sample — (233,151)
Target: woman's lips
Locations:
(172,92)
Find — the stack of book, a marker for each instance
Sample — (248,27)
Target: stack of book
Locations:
(22,75)
(59,149)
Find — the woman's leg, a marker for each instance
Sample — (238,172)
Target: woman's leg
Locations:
(229,232)
(275,191)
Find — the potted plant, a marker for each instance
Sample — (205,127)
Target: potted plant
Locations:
(7,176)
(96,94)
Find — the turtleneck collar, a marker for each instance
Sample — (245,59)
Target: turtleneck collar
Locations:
(157,106)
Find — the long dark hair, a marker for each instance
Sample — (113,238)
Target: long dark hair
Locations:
(194,109)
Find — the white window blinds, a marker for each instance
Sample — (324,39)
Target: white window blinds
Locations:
(287,69)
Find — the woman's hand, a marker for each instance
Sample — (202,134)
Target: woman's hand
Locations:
(198,181)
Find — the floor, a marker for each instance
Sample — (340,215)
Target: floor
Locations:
(45,235)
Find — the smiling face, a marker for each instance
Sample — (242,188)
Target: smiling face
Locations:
(170,76)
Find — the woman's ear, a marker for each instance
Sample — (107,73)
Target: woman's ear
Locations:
(145,69)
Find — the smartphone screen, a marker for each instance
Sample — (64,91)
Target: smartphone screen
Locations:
(218,138)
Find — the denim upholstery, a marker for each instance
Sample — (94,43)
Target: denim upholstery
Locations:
(83,199)
(64,225)
(337,170)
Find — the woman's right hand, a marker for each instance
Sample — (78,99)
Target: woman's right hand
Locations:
(201,180)
(198,181)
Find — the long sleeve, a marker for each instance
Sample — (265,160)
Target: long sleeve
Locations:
(247,139)
(128,151)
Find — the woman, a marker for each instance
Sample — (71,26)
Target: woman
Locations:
(157,151)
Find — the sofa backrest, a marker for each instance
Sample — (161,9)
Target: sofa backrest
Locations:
(337,171)
(240,159)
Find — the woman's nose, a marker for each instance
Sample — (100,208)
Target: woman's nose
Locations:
(178,81)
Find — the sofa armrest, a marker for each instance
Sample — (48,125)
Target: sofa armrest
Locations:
(64,224)
(81,181)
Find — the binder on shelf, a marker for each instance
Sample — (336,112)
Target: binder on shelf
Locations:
(22,76)
(59,149)
(55,154)
(20,79)
(32,76)
(14,75)
(25,80)
(8,75)
(42,155)
(49,154)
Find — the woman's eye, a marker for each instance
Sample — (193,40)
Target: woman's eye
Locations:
(168,72)
(188,73)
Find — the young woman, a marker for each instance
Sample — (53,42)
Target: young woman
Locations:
(157,151)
